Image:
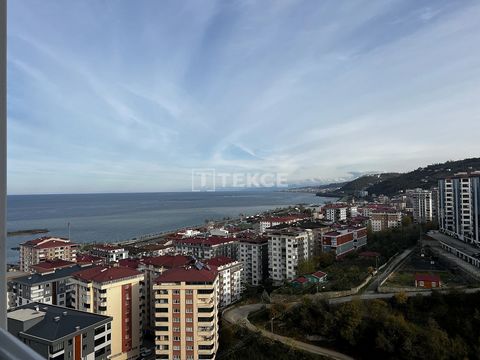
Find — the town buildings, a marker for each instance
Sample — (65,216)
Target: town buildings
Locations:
(117,292)
(34,251)
(253,253)
(52,287)
(229,279)
(186,313)
(383,220)
(459,206)
(422,205)
(59,333)
(336,212)
(344,240)
(287,247)
(269,222)
(207,247)
(110,253)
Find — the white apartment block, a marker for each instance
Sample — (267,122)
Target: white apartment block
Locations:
(459,206)
(229,279)
(286,248)
(186,313)
(110,253)
(383,220)
(335,212)
(253,253)
(279,220)
(207,247)
(422,205)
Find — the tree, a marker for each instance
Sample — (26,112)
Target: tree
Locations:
(348,318)
(306,267)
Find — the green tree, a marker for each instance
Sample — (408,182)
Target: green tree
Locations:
(348,318)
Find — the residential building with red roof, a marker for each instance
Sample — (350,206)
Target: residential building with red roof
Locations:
(207,247)
(269,222)
(186,312)
(48,266)
(336,212)
(46,248)
(114,291)
(344,240)
(287,247)
(253,253)
(84,259)
(383,220)
(110,253)
(230,279)
(427,281)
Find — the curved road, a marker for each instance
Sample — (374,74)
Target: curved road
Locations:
(239,315)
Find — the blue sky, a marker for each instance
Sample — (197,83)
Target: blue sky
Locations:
(120,95)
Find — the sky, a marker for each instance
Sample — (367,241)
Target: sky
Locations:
(130,96)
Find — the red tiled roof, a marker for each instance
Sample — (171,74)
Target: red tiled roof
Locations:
(191,274)
(319,274)
(101,274)
(427,277)
(253,240)
(88,259)
(332,233)
(301,280)
(129,263)
(48,242)
(210,241)
(219,261)
(167,261)
(51,265)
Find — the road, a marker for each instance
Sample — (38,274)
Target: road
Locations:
(394,264)
(239,315)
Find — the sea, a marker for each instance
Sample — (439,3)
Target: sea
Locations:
(118,217)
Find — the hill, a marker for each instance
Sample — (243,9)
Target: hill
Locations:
(391,183)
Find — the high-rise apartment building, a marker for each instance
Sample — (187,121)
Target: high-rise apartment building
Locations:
(344,240)
(186,313)
(229,279)
(46,248)
(116,292)
(422,205)
(253,253)
(383,220)
(287,247)
(207,247)
(459,206)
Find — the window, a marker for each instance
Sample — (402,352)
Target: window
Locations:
(99,330)
(99,341)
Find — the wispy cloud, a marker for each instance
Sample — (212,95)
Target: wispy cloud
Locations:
(116,96)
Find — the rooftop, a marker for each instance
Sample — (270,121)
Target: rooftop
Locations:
(88,259)
(209,241)
(189,274)
(51,265)
(427,277)
(56,321)
(48,277)
(319,274)
(219,261)
(48,242)
(100,274)
(167,261)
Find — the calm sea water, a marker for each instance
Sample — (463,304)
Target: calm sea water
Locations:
(115,217)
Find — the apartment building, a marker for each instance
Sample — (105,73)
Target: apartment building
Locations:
(230,274)
(269,222)
(52,287)
(58,333)
(286,248)
(117,292)
(459,206)
(421,201)
(344,240)
(335,212)
(253,253)
(383,220)
(186,308)
(207,247)
(110,253)
(34,251)
(152,267)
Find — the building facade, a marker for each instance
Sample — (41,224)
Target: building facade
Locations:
(186,313)
(253,253)
(279,220)
(286,249)
(422,205)
(230,273)
(336,212)
(116,292)
(46,248)
(459,206)
(343,241)
(57,333)
(110,253)
(380,221)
